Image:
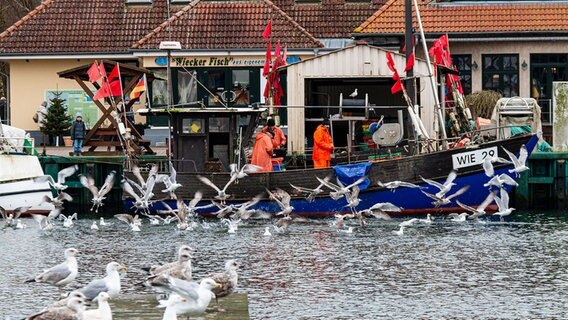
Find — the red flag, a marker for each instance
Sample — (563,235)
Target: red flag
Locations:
(443,40)
(111,89)
(410,62)
(267,61)
(277,51)
(267,30)
(114,74)
(94,72)
(390,62)
(396,87)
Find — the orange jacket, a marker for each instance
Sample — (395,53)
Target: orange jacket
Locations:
(323,145)
(262,152)
(279,138)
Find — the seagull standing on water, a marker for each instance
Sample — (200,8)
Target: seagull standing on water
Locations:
(61,274)
(109,284)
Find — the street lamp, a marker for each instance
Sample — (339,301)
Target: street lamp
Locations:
(169,46)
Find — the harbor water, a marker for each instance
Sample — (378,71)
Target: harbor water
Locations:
(444,270)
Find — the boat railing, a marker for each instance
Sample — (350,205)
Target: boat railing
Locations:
(10,145)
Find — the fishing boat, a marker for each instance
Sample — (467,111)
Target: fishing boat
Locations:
(198,153)
(18,168)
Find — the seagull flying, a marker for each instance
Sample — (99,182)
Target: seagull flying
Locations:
(98,195)
(520,162)
(61,176)
(503,205)
(393,185)
(443,200)
(133,222)
(445,187)
(221,193)
(12,217)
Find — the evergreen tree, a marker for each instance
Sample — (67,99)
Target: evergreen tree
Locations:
(57,122)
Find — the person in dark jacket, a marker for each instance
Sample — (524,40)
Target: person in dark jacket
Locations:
(78,132)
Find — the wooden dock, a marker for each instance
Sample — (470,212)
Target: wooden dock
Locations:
(143,307)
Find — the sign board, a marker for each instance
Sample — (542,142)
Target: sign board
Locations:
(212,61)
(472,158)
(77,101)
(560,116)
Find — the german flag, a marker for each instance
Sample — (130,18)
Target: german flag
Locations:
(139,88)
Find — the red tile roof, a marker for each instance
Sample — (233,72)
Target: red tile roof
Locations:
(471,17)
(71,26)
(330,18)
(112,26)
(229,25)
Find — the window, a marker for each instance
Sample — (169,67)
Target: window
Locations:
(462,62)
(544,70)
(159,91)
(186,87)
(192,126)
(501,74)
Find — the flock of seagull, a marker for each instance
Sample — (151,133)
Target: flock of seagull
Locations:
(231,214)
(184,296)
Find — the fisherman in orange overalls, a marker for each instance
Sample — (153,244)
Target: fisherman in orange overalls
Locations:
(323,146)
(279,140)
(262,150)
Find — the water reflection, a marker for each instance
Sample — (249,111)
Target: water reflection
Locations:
(445,270)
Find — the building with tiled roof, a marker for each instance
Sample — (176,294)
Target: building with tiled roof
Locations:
(221,44)
(513,47)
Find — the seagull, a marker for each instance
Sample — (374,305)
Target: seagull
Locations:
(63,302)
(282,224)
(226,280)
(109,284)
(311,193)
(57,201)
(445,187)
(142,200)
(488,167)
(500,180)
(243,172)
(103,312)
(68,221)
(503,205)
(61,176)
(267,231)
(400,231)
(43,221)
(12,217)
(94,226)
(102,222)
(174,303)
(20,224)
(393,185)
(72,311)
(133,222)
(171,182)
(197,296)
(480,210)
(520,162)
(379,210)
(458,217)
(183,250)
(348,230)
(427,220)
(408,223)
(221,193)
(353,199)
(283,199)
(354,94)
(340,189)
(98,195)
(61,274)
(180,269)
(440,201)
(232,224)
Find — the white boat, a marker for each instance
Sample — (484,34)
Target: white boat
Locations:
(17,172)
